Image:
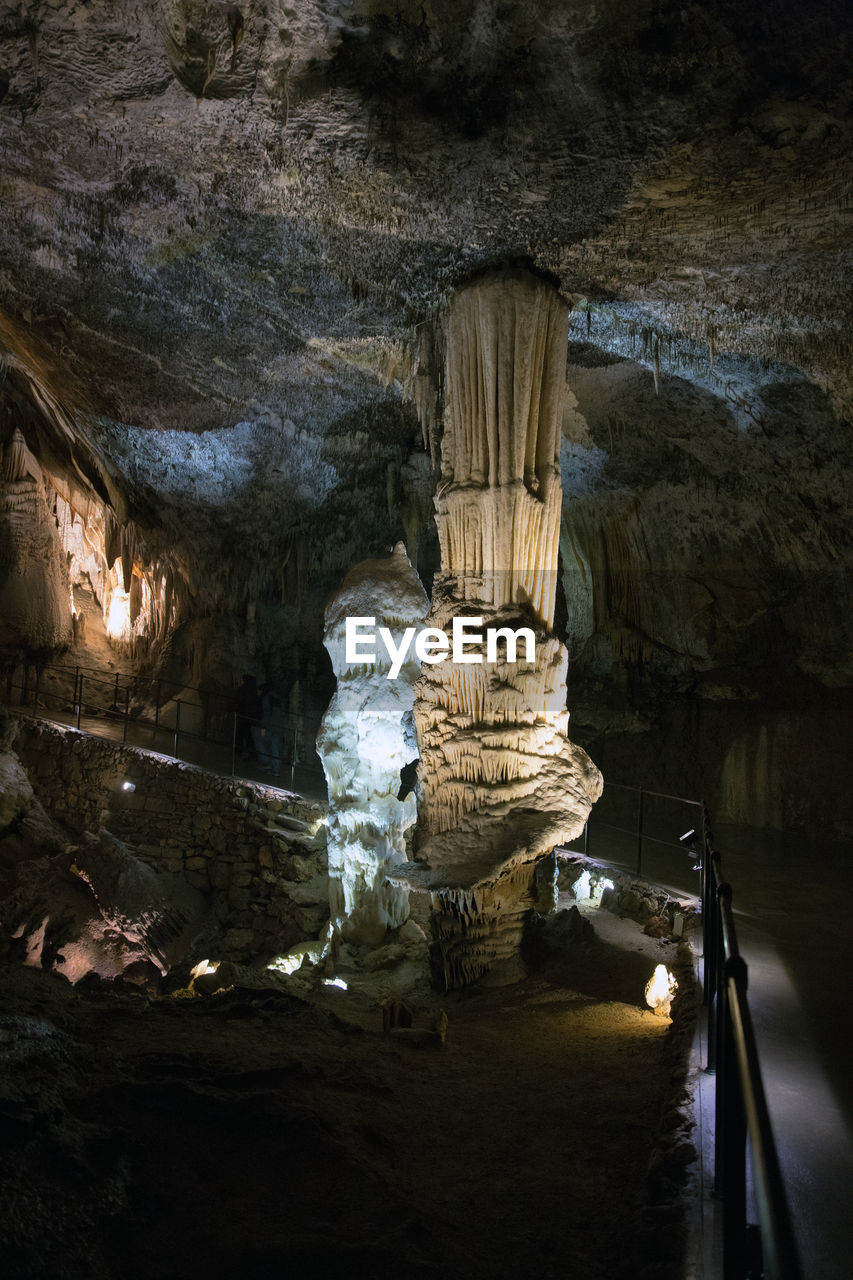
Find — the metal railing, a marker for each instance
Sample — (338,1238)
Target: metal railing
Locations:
(740,1102)
(742,1121)
(639,823)
(191,724)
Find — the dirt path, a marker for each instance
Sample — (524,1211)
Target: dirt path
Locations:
(254,1135)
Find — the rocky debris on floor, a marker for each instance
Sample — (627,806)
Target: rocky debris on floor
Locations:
(661,914)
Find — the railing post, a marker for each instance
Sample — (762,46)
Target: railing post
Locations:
(586,838)
(79,699)
(115,694)
(126,713)
(293,762)
(234,744)
(157,706)
(177,727)
(730,1162)
(722,1026)
(640,832)
(36,691)
(706,885)
(712,960)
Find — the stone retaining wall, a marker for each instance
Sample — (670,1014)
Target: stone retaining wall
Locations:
(260,852)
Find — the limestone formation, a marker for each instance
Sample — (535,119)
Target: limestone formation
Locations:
(34,605)
(225,233)
(259,855)
(96,909)
(365,741)
(500,781)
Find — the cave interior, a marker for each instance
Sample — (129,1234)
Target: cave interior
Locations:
(533,311)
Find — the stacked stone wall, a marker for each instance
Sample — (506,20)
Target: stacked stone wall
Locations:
(260,852)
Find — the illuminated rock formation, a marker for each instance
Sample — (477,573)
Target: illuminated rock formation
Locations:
(500,781)
(34,601)
(366,738)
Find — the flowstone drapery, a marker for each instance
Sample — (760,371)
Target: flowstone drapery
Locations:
(34,600)
(366,738)
(500,782)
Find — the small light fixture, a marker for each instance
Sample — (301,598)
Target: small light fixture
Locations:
(660,989)
(689,842)
(128,786)
(335,982)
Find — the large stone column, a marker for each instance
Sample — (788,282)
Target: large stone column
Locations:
(500,782)
(365,740)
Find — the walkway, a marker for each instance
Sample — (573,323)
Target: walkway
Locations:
(305,779)
(792,899)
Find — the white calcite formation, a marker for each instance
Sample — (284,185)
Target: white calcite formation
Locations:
(365,740)
(501,784)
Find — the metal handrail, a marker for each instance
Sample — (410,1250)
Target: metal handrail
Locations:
(639,831)
(83,678)
(741,1111)
(114,677)
(741,1103)
(657,795)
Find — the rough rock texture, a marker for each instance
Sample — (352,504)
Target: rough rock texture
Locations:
(225,228)
(110,1107)
(500,782)
(258,855)
(34,610)
(365,741)
(96,909)
(336,161)
(705,559)
(16,792)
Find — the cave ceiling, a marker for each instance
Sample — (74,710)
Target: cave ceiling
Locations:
(217,214)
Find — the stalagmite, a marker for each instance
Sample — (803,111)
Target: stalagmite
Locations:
(500,782)
(365,740)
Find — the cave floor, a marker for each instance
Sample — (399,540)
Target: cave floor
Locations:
(255,1134)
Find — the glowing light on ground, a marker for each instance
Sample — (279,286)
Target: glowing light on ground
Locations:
(118,615)
(660,989)
(589,889)
(335,982)
(204,966)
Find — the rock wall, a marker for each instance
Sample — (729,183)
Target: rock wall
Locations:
(259,853)
(35,607)
(707,597)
